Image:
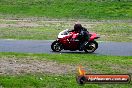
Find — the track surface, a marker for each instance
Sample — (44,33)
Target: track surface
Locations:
(42,46)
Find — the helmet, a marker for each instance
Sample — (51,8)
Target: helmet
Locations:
(77,27)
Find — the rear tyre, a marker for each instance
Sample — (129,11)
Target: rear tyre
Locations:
(56,46)
(91,47)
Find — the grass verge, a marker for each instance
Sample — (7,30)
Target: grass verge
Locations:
(48,30)
(50,81)
(114,31)
(84,9)
(94,63)
(39,33)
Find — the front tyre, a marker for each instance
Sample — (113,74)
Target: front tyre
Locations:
(91,47)
(56,46)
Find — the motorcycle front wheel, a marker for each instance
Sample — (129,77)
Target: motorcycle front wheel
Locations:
(91,47)
(56,46)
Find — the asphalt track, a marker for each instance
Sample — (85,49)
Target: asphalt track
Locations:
(43,46)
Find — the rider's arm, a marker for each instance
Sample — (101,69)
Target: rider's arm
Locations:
(85,29)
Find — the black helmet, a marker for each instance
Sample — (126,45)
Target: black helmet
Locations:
(78,27)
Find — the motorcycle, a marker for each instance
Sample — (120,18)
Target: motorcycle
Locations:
(68,41)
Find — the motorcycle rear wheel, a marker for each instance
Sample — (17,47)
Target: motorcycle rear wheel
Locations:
(91,47)
(56,46)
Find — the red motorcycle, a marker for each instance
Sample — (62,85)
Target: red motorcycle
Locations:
(68,41)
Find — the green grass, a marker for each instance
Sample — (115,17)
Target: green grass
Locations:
(67,9)
(109,31)
(39,33)
(50,81)
(114,31)
(98,64)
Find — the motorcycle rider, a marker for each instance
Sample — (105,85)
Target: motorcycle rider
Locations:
(83,35)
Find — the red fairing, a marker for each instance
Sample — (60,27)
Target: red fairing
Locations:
(74,35)
(93,36)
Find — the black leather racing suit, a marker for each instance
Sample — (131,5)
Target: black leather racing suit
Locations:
(83,37)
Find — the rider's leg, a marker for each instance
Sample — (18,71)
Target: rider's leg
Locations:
(82,45)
